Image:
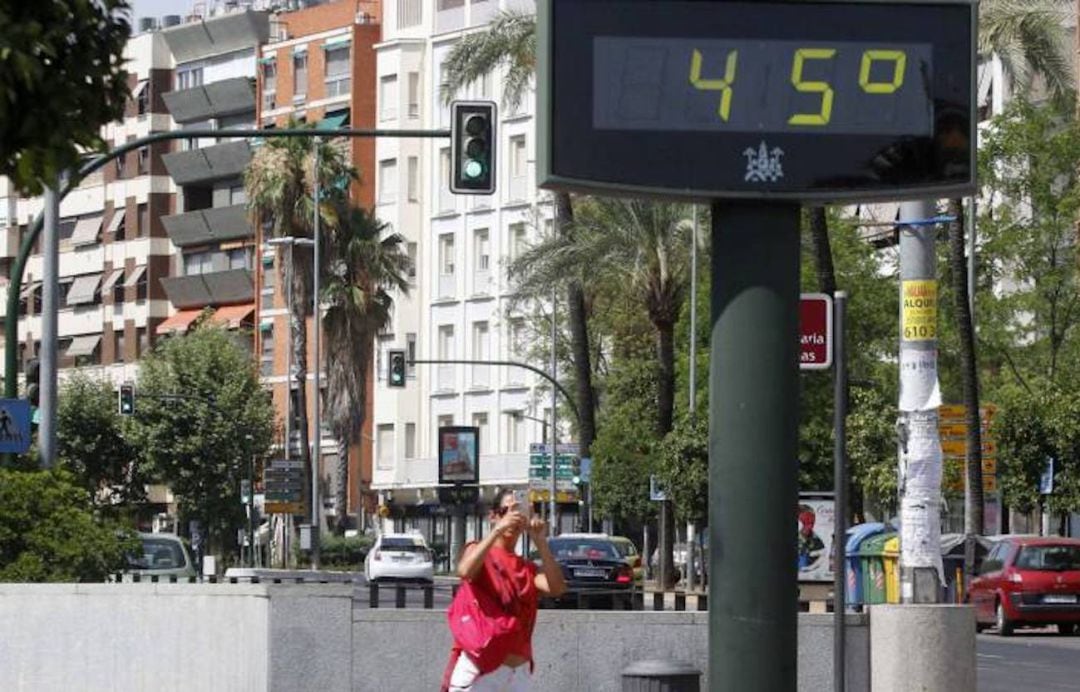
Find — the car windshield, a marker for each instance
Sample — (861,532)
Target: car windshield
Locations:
(1049,558)
(575,548)
(403,545)
(625,548)
(158,553)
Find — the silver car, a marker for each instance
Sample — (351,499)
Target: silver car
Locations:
(161,555)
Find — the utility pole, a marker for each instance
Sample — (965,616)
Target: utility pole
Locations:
(920,397)
(691,528)
(316,461)
(50,304)
(553,526)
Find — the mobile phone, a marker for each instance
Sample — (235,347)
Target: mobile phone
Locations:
(521,497)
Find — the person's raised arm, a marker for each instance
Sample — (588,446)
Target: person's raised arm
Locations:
(472,559)
(550,581)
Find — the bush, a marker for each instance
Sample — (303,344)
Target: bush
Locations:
(345,553)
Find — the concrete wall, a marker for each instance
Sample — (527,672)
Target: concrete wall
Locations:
(310,637)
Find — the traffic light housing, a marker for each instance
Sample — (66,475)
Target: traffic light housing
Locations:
(472,136)
(127,400)
(33,382)
(395,376)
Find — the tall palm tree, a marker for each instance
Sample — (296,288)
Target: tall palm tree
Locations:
(362,264)
(1029,38)
(509,43)
(280,193)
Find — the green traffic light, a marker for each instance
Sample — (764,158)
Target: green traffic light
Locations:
(473,169)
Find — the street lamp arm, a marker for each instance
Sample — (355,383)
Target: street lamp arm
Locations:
(508,363)
(11,319)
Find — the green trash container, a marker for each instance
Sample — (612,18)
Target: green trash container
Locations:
(872,556)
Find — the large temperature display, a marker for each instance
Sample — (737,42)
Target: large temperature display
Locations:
(796,99)
(762,86)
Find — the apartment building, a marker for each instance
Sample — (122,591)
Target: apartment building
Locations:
(318,67)
(459,306)
(113,248)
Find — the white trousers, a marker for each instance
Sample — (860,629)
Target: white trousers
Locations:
(466,678)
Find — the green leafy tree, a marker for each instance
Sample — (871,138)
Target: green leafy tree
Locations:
(202,415)
(363,264)
(684,467)
(49,531)
(92,444)
(62,78)
(508,45)
(280,193)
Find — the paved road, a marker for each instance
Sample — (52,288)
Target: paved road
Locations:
(1028,661)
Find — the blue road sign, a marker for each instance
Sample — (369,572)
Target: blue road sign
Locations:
(14,425)
(586,470)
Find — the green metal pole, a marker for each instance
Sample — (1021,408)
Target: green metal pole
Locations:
(753,421)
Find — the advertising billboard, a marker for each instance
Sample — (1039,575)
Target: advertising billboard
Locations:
(459,455)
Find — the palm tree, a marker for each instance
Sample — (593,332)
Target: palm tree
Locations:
(1028,36)
(363,263)
(509,43)
(279,187)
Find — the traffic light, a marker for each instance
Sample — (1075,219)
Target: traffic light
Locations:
(33,381)
(396,375)
(127,400)
(472,134)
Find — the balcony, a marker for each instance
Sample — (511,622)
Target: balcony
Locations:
(208,226)
(208,164)
(215,100)
(217,288)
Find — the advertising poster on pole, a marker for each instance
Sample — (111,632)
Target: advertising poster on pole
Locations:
(459,455)
(815,524)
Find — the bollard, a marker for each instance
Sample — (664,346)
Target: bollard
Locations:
(680,601)
(658,600)
(373,594)
(702,602)
(661,676)
(638,601)
(940,658)
(399,596)
(429,596)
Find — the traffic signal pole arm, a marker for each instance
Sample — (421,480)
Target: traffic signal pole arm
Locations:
(11,319)
(508,363)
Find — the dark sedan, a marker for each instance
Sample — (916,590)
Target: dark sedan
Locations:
(596,574)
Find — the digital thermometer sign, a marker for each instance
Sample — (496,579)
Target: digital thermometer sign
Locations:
(801,100)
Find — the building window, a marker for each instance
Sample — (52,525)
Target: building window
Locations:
(411,249)
(413,171)
(388,97)
(118,346)
(410,440)
(410,356)
(338,81)
(480,341)
(480,420)
(142,342)
(384,443)
(299,61)
(482,247)
(144,161)
(269,75)
(446,254)
(414,94)
(516,336)
(198,263)
(120,167)
(269,275)
(517,240)
(517,163)
(142,287)
(515,433)
(388,181)
(240,258)
(266,360)
(445,421)
(446,341)
(142,101)
(237,195)
(450,4)
(189,78)
(144,220)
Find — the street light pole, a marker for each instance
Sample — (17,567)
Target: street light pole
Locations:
(316,462)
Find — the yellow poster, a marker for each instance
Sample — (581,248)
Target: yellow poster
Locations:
(918,312)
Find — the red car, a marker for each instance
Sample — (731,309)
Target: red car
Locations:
(1028,581)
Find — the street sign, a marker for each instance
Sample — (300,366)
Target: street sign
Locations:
(561,496)
(815,331)
(790,100)
(567,448)
(283,486)
(586,470)
(14,426)
(459,494)
(656,492)
(1046,480)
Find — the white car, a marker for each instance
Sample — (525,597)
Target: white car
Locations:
(400,557)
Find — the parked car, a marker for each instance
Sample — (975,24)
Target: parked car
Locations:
(632,555)
(679,554)
(161,555)
(1027,580)
(595,571)
(400,557)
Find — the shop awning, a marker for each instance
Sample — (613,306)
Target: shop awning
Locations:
(86,231)
(333,121)
(83,289)
(83,345)
(136,275)
(116,221)
(111,280)
(180,322)
(28,289)
(232,316)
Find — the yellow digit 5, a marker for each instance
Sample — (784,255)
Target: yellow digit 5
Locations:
(823,88)
(899,59)
(721,85)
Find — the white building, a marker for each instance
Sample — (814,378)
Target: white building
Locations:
(458,306)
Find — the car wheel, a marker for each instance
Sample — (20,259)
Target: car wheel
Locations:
(1004,625)
(1066,628)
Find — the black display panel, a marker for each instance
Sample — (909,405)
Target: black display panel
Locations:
(722,98)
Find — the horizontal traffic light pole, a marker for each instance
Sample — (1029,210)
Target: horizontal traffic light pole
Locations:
(507,363)
(11,319)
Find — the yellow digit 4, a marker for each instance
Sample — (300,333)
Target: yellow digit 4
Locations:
(806,87)
(899,60)
(721,85)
